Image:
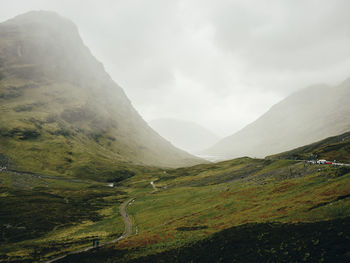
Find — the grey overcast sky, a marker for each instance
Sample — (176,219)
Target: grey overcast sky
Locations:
(219,63)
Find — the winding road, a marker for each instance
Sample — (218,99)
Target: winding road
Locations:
(127,221)
(128,231)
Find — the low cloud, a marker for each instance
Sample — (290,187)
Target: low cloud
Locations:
(219,63)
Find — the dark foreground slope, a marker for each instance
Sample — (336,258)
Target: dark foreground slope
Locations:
(60,111)
(268,242)
(327,241)
(304,117)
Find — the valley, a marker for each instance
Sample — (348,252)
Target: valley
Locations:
(83,178)
(176,211)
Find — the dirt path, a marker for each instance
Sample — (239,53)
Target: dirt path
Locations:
(154,187)
(128,231)
(127,221)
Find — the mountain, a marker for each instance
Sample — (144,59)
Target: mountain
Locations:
(306,116)
(186,135)
(332,148)
(60,112)
(280,209)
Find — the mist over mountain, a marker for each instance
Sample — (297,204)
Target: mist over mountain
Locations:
(186,135)
(61,111)
(84,178)
(308,115)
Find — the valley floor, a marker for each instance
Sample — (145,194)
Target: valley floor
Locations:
(255,209)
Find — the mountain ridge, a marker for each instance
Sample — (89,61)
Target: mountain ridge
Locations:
(308,115)
(332,148)
(58,99)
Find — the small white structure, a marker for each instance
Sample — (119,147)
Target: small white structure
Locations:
(312,162)
(322,161)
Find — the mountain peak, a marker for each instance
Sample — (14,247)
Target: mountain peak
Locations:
(50,44)
(44,18)
(53,88)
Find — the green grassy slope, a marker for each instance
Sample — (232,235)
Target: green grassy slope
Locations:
(194,205)
(217,205)
(61,113)
(43,215)
(332,148)
(326,241)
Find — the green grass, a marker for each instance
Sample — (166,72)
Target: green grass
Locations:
(326,241)
(52,127)
(190,205)
(42,215)
(198,198)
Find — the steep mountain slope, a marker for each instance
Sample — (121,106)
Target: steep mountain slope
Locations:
(61,112)
(332,148)
(306,116)
(186,135)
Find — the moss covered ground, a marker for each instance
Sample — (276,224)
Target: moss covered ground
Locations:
(188,209)
(192,206)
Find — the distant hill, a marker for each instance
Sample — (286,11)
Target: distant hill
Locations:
(60,112)
(304,117)
(332,148)
(186,135)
